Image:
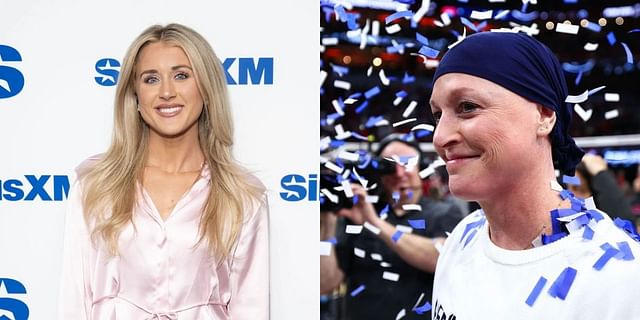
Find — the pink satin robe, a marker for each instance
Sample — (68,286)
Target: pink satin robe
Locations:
(159,274)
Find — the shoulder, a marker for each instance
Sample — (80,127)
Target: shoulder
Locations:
(255,200)
(466,230)
(87,165)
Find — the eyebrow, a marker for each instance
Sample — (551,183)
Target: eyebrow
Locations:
(455,92)
(174,68)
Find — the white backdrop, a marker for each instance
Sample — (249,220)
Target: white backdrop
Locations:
(62,116)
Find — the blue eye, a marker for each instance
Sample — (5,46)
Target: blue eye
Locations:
(466,107)
(151,79)
(437,116)
(182,76)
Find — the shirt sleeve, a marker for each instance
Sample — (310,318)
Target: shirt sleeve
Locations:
(75,294)
(250,268)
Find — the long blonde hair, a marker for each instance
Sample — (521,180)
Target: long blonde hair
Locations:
(110,186)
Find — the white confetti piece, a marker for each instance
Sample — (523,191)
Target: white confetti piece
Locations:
(362,180)
(363,35)
(611,97)
(350,101)
(502,13)
(333,167)
(342,84)
(325,142)
(446,20)
(369,71)
(346,187)
(590,46)
(337,107)
(438,245)
(397,101)
(323,77)
(372,199)
(404,229)
(346,155)
(412,105)
(460,38)
(401,314)
(611,114)
(481,15)
(407,207)
(385,264)
(325,248)
(595,90)
(332,197)
(438,23)
(371,228)
(567,28)
(431,168)
(353,229)
(383,78)
(376,256)
(584,115)
(579,98)
(423,126)
(329,41)
(424,8)
(393,28)
(375,28)
(555,186)
(399,123)
(359,252)
(390,276)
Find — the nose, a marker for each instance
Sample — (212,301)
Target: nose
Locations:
(167,90)
(400,170)
(446,133)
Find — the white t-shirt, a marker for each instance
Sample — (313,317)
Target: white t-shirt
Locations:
(475,279)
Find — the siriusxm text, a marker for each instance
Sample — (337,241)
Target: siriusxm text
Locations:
(33,187)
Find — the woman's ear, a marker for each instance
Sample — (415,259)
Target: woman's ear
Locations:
(546,120)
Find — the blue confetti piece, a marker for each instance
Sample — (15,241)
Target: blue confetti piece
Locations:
(626,250)
(410,194)
(565,194)
(395,196)
(533,296)
(582,220)
(357,290)
(627,52)
(401,94)
(482,25)
(578,78)
(414,24)
(395,49)
(352,22)
(611,38)
(327,13)
(419,224)
(362,107)
(472,225)
(553,238)
(422,133)
(408,79)
(588,233)
(525,5)
(355,199)
(429,52)
(422,39)
(594,26)
(571,180)
(372,92)
(333,116)
(501,15)
(333,241)
(355,95)
(560,287)
(524,17)
(384,210)
(578,67)
(340,70)
(595,215)
(555,224)
(397,15)
(628,227)
(396,236)
(423,308)
(471,235)
(633,30)
(469,24)
(341,13)
(562,212)
(371,122)
(606,256)
(570,1)
(359,136)
(336,143)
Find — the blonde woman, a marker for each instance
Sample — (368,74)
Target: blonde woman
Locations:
(165,224)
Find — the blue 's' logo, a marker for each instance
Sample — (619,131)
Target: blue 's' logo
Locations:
(10,308)
(262,72)
(11,79)
(297,187)
(109,70)
(16,190)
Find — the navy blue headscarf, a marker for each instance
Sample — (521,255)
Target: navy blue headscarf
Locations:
(526,67)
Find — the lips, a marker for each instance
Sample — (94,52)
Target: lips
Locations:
(456,160)
(168,110)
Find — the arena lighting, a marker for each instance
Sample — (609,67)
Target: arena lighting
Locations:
(626,157)
(625,11)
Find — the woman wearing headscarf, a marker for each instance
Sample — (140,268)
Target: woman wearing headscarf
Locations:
(534,251)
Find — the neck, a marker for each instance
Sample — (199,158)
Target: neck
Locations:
(175,154)
(520,213)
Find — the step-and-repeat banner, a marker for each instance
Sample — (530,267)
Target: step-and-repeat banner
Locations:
(59,63)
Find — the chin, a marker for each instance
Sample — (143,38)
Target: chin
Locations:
(465,189)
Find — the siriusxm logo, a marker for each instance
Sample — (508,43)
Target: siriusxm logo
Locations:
(108,70)
(239,71)
(11,308)
(35,188)
(260,72)
(11,79)
(298,188)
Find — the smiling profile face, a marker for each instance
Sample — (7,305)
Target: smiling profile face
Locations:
(169,99)
(405,180)
(486,134)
